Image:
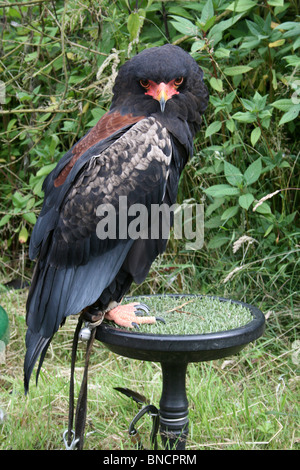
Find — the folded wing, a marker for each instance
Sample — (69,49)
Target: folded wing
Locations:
(74,265)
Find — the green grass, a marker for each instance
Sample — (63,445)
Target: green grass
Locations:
(248,401)
(190,315)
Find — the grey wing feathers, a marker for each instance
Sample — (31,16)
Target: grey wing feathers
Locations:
(77,266)
(135,166)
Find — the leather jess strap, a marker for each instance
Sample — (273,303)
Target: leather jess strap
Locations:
(75,439)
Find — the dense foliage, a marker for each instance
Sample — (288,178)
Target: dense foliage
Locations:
(58,63)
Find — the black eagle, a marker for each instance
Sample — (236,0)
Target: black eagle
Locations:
(137,150)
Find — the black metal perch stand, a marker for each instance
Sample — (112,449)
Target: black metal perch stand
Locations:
(174,353)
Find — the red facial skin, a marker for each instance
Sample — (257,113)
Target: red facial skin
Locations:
(162,92)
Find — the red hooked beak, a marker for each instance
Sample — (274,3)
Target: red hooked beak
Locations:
(161,92)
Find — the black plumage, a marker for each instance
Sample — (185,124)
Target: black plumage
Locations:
(137,150)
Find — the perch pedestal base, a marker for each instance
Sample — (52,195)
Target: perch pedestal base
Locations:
(174,353)
(174,422)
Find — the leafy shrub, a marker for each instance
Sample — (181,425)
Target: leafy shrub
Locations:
(58,63)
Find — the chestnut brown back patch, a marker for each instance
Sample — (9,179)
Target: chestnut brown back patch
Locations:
(106,126)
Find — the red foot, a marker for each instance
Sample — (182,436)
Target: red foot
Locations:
(125,315)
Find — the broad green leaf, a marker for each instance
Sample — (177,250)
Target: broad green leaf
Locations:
(37,188)
(207,19)
(221,190)
(46,169)
(58,63)
(230,125)
(217,242)
(248,104)
(255,29)
(264,208)
(255,135)
(241,5)
(216,32)
(75,79)
(30,217)
(253,172)
(30,203)
(54,143)
(31,56)
(210,22)
(175,10)
(290,115)
(23,96)
(292,32)
(184,26)
(232,174)
(223,25)
(213,128)
(230,97)
(246,200)
(97,114)
(229,213)
(14,13)
(293,60)
(222,52)
(11,124)
(276,3)
(5,219)
(216,84)
(296,44)
(207,11)
(259,101)
(244,117)
(269,229)
(288,219)
(18,200)
(133,25)
(287,25)
(237,70)
(250,43)
(198,46)
(283,105)
(44,117)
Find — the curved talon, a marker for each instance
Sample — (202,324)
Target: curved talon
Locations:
(135,325)
(160,319)
(142,308)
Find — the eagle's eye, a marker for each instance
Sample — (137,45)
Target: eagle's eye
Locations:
(178,81)
(145,83)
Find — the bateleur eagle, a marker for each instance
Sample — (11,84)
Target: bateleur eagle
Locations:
(138,150)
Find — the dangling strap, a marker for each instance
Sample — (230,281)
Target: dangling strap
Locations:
(75,439)
(70,431)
